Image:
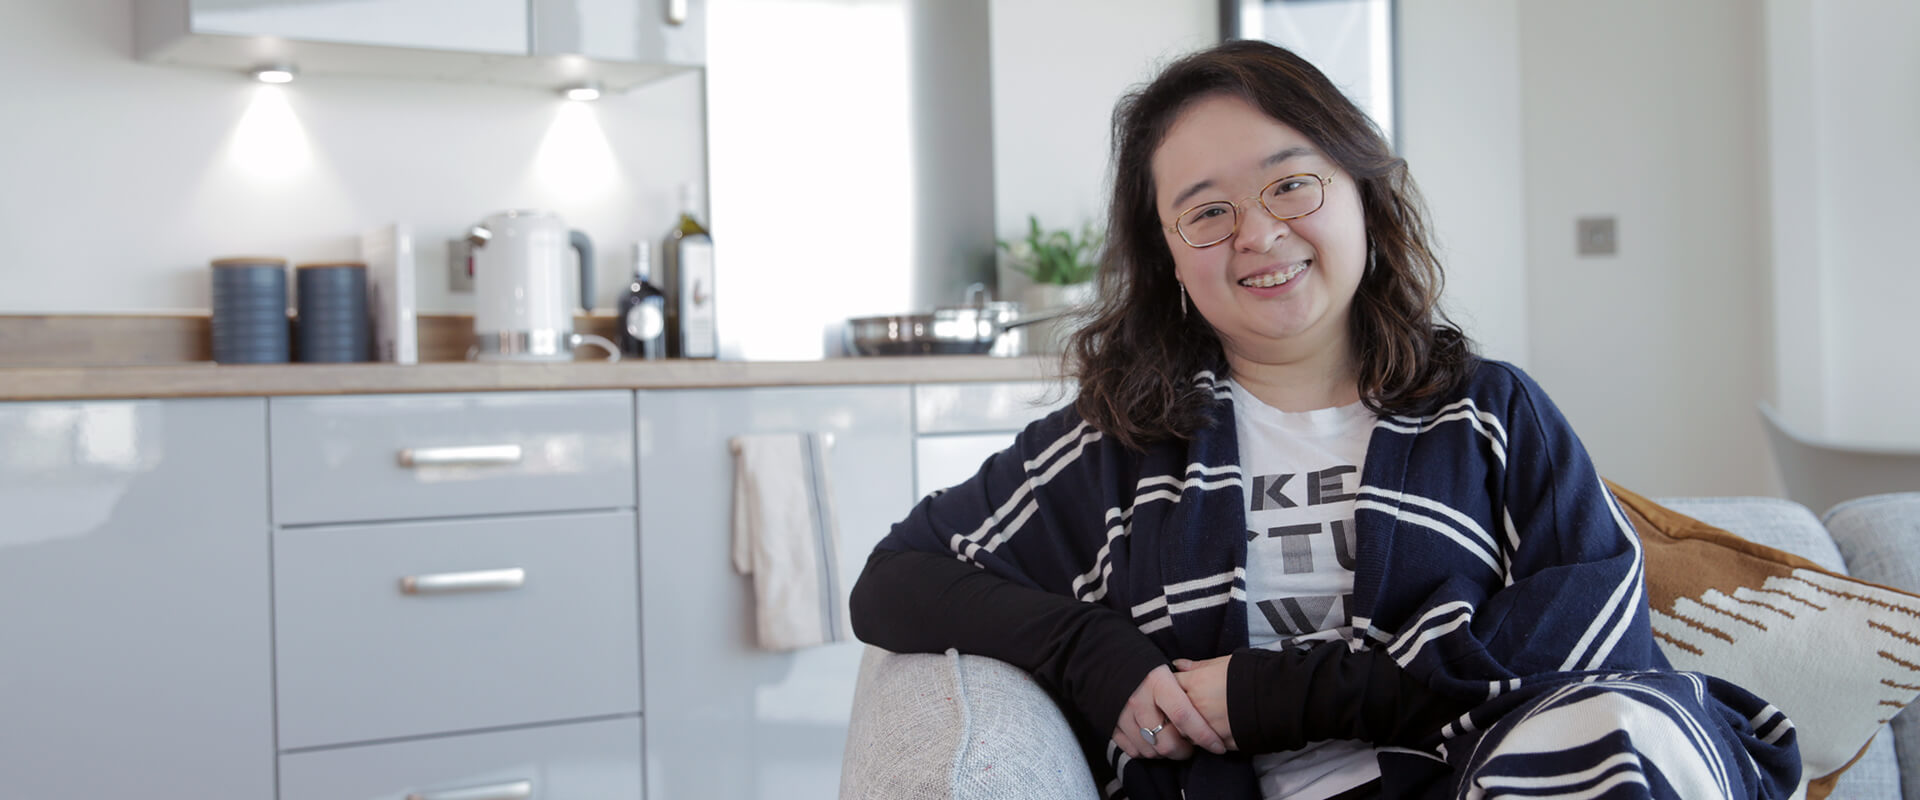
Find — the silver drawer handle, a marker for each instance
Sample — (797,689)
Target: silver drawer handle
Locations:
(460,456)
(511,790)
(485,580)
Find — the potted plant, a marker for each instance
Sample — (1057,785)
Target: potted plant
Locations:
(1060,264)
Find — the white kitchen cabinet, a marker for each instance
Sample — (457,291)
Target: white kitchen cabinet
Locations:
(639,31)
(481,26)
(449,569)
(723,719)
(981,407)
(585,761)
(545,44)
(173,564)
(957,425)
(135,658)
(454,625)
(384,457)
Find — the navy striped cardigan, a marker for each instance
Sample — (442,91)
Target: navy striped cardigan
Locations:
(1492,562)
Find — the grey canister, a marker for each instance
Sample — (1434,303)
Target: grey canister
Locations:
(333,323)
(249,316)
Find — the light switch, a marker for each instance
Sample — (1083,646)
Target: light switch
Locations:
(1595,236)
(459,265)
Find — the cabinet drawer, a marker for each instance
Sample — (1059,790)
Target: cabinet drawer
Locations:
(583,761)
(374,457)
(424,627)
(968,407)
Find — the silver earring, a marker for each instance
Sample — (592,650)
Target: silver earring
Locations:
(1370,261)
(1183,299)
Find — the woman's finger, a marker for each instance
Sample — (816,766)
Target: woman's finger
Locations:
(1128,733)
(1166,741)
(1173,744)
(1164,695)
(1182,716)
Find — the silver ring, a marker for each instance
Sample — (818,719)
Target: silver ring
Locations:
(1148,733)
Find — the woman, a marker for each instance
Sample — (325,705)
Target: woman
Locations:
(1293,538)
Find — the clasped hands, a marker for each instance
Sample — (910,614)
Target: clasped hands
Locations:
(1171,713)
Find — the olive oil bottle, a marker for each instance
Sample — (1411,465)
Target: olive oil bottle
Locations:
(691,331)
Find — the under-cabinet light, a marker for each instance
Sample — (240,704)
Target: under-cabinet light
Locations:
(274,73)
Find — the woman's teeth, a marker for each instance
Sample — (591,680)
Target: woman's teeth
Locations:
(1268,280)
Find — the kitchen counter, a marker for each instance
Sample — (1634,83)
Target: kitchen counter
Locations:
(234,380)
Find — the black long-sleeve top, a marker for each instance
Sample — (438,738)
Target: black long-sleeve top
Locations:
(1090,658)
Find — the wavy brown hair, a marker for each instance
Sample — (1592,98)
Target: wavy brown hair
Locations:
(1136,357)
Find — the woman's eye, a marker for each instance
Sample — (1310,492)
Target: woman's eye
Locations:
(1288,185)
(1210,212)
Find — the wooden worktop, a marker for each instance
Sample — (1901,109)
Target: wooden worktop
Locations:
(112,356)
(234,380)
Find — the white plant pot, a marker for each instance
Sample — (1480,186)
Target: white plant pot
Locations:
(1040,297)
(1047,298)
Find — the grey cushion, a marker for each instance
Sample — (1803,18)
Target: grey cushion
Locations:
(1776,523)
(1876,775)
(940,726)
(1880,536)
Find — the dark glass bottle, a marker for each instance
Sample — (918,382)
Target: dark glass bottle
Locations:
(643,312)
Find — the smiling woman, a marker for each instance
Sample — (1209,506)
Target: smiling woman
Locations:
(1365,277)
(1292,514)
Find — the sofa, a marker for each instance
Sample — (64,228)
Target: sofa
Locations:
(960,726)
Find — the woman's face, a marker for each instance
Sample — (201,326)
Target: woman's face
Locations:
(1223,148)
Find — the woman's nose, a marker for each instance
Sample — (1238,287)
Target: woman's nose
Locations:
(1258,231)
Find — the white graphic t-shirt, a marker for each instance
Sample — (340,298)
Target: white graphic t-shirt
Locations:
(1303,472)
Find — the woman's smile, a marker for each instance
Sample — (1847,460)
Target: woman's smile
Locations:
(1270,282)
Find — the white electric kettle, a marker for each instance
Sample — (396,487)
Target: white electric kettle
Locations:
(522,312)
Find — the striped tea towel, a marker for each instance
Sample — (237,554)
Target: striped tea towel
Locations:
(785,536)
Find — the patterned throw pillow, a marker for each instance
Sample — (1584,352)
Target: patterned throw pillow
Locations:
(1839,656)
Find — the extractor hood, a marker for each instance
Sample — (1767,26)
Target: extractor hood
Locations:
(543,44)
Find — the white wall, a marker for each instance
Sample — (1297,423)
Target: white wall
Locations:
(1058,68)
(120,180)
(1866,115)
(1460,131)
(1801,300)
(1650,111)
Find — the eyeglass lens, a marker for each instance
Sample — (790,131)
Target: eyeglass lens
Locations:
(1288,198)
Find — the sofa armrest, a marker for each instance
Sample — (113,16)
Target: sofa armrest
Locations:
(1880,538)
(954,726)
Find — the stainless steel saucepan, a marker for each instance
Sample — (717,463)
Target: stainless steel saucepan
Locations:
(982,327)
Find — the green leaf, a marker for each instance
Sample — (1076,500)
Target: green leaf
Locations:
(1057,257)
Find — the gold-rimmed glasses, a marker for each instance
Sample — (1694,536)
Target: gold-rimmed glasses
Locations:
(1291,197)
